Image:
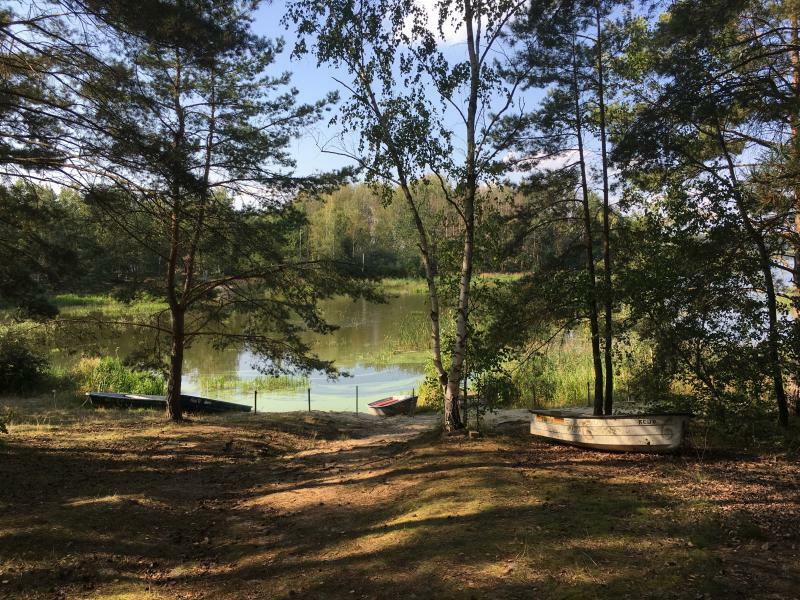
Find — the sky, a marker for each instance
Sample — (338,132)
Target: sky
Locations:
(314,82)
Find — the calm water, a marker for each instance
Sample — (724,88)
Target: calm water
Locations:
(382,347)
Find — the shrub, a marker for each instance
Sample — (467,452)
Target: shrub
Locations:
(109,374)
(22,370)
(430,395)
(497,389)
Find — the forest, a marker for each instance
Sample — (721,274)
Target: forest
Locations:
(513,208)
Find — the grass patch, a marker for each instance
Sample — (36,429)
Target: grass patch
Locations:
(80,304)
(108,374)
(229,383)
(415,285)
(403,285)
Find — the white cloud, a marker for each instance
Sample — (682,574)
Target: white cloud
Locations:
(540,162)
(453,29)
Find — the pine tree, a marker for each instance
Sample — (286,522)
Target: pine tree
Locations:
(189,131)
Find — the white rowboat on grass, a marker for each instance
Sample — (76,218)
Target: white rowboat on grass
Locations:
(662,432)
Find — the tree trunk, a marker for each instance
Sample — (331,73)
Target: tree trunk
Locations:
(608,299)
(174,405)
(177,311)
(795,172)
(452,392)
(591,294)
(773,336)
(795,150)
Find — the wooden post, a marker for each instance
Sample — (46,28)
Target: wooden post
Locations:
(255,401)
(309,399)
(466,404)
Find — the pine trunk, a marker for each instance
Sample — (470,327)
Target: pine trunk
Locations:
(591,294)
(795,172)
(773,335)
(608,300)
(174,405)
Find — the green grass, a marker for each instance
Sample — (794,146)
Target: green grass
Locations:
(418,285)
(108,374)
(403,285)
(78,304)
(70,300)
(280,383)
(229,383)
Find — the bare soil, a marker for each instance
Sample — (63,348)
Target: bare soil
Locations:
(110,504)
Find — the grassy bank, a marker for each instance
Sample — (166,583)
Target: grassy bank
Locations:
(305,506)
(418,285)
(80,304)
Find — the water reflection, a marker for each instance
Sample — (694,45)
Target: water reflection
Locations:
(382,347)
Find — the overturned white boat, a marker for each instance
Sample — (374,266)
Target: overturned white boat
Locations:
(661,432)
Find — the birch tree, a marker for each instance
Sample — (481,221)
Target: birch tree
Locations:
(420,111)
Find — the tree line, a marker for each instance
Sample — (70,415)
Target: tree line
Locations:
(636,164)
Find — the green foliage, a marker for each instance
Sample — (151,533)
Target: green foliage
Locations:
(141,304)
(35,253)
(109,374)
(431,395)
(22,370)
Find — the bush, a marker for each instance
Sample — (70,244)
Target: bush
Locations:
(108,374)
(497,389)
(431,395)
(22,370)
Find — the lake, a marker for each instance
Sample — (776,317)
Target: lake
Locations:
(382,348)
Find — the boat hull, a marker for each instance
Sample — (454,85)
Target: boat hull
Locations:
(389,407)
(189,403)
(615,433)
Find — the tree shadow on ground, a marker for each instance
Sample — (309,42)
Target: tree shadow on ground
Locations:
(183,513)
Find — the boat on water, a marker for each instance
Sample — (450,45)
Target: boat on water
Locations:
(656,432)
(189,403)
(394,405)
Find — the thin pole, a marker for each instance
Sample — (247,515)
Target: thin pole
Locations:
(466,403)
(309,399)
(356,399)
(255,401)
(588,398)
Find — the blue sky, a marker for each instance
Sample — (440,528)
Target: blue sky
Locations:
(315,82)
(311,81)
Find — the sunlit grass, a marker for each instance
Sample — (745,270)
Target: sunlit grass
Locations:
(231,384)
(79,304)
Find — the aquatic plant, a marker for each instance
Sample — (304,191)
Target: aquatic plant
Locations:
(268,383)
(109,374)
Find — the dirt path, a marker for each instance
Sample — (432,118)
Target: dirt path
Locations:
(315,506)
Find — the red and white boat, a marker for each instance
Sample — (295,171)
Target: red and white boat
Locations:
(394,405)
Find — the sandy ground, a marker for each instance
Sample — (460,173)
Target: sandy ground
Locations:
(108,504)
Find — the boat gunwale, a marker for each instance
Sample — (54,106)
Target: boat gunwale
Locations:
(192,402)
(390,401)
(567,415)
